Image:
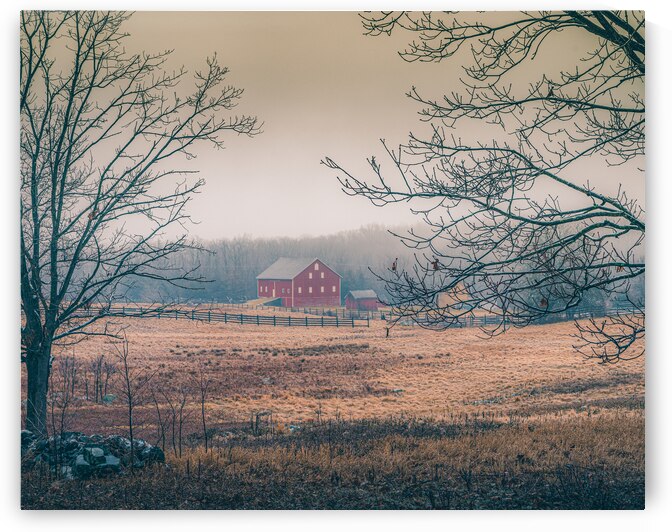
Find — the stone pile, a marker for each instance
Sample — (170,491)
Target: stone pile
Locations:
(76,455)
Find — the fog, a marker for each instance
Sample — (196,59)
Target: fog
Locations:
(321,88)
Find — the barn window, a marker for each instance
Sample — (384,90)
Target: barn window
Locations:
(333,288)
(322,289)
(299,289)
(283,290)
(310,289)
(310,275)
(317,266)
(321,275)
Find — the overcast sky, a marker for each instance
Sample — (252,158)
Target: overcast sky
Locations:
(321,88)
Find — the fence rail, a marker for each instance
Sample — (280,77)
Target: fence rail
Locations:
(486,320)
(331,320)
(386,314)
(211,316)
(316,311)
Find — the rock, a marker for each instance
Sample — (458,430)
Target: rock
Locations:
(27,439)
(71,445)
(82,467)
(118,443)
(80,456)
(153,454)
(112,464)
(94,455)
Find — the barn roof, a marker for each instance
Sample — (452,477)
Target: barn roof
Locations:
(286,268)
(363,294)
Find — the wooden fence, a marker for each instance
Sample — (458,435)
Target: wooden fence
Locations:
(212,316)
(386,314)
(333,320)
(315,311)
(486,320)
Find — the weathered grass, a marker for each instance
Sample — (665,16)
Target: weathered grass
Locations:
(351,419)
(581,462)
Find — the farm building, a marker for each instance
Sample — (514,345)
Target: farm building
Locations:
(300,283)
(362,300)
(453,298)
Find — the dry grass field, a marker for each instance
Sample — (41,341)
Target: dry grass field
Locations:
(352,419)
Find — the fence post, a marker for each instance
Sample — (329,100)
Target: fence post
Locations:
(225,318)
(367,321)
(123,311)
(208,316)
(337,320)
(322,324)
(273,320)
(192,314)
(290,321)
(241,319)
(257,319)
(306,321)
(353,322)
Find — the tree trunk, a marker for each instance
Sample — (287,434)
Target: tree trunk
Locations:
(37,369)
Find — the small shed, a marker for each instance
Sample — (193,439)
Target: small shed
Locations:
(362,300)
(453,298)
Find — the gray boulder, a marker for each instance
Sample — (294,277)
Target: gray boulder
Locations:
(94,455)
(111,465)
(82,468)
(76,455)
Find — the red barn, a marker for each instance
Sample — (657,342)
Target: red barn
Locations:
(300,283)
(362,300)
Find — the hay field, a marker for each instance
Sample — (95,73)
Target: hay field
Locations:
(299,373)
(347,418)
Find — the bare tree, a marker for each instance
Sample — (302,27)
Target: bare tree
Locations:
(161,422)
(514,225)
(97,370)
(172,406)
(109,370)
(133,384)
(104,186)
(182,416)
(60,398)
(62,393)
(202,384)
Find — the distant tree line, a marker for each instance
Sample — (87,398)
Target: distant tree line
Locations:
(231,265)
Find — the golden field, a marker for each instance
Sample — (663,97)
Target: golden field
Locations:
(358,373)
(352,419)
